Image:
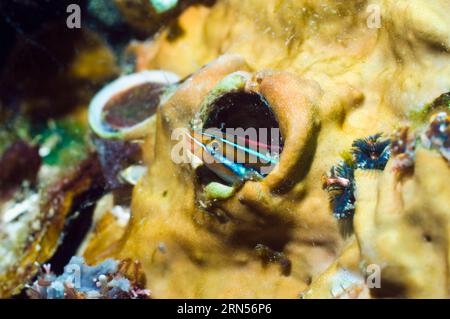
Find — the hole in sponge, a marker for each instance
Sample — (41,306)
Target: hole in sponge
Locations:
(247,122)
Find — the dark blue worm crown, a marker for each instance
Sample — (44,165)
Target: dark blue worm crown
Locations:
(367,153)
(371,152)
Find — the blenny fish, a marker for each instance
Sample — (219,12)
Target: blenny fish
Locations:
(234,162)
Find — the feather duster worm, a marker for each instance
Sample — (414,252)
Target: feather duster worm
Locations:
(368,153)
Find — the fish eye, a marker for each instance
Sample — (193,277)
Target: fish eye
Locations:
(215,145)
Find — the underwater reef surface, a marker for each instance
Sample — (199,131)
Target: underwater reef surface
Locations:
(129,161)
(106,280)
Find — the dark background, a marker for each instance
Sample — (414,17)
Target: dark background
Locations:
(20,19)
